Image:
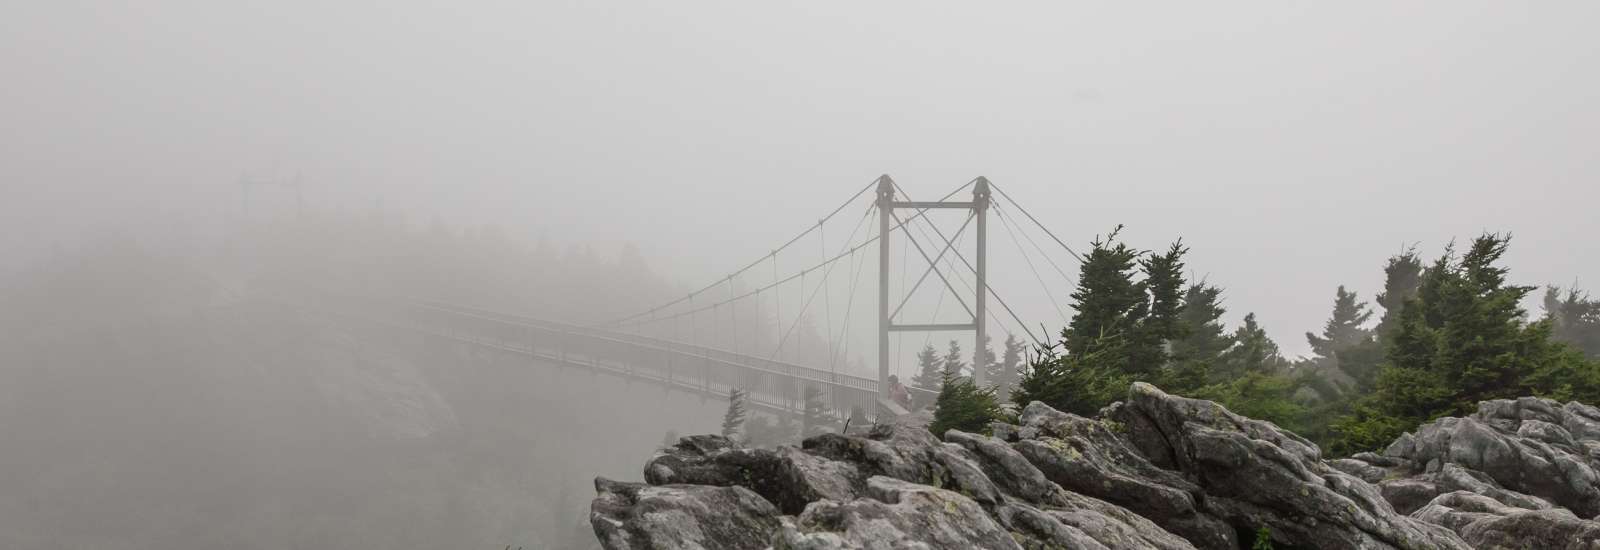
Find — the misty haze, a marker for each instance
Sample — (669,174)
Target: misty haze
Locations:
(320,275)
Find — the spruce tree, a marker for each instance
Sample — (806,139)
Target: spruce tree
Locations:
(733,419)
(963,406)
(1163,279)
(1460,340)
(814,418)
(984,358)
(1347,354)
(1119,332)
(1343,329)
(1203,342)
(1006,372)
(1483,349)
(1574,318)
(1107,301)
(1204,336)
(930,369)
(1252,352)
(952,363)
(1402,279)
(1079,384)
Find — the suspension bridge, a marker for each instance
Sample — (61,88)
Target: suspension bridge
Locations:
(733,333)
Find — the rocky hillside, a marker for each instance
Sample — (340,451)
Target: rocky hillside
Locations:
(1155,471)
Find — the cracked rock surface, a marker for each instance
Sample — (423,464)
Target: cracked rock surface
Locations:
(1154,471)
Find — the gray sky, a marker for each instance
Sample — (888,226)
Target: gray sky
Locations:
(1293,147)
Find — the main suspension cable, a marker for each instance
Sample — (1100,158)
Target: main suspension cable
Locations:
(1036,222)
(758,261)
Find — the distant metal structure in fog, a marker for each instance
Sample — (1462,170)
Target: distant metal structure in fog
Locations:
(669,359)
(979,207)
(887,205)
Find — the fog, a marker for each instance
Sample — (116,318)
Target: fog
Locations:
(165,385)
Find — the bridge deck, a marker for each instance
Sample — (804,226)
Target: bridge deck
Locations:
(774,386)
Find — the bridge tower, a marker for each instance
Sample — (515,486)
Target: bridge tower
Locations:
(886,203)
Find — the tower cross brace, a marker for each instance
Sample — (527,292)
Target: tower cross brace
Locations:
(886,204)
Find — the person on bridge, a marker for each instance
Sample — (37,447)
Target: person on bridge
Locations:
(898,392)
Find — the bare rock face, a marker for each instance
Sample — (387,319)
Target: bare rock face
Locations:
(1247,474)
(670,517)
(1153,472)
(1487,523)
(1524,469)
(899,514)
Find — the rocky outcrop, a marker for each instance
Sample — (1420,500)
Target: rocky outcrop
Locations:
(1524,469)
(1487,523)
(635,515)
(1155,471)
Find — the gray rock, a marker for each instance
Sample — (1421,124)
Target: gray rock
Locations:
(1155,471)
(1109,471)
(1580,420)
(1489,524)
(1253,474)
(1530,446)
(786,477)
(1364,470)
(899,514)
(1054,517)
(1409,494)
(628,516)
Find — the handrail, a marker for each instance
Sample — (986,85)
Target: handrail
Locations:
(861,383)
(657,344)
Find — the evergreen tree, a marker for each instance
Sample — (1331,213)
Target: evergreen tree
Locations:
(1252,352)
(1574,318)
(1119,333)
(1108,302)
(1163,279)
(963,406)
(1402,279)
(1204,336)
(1463,339)
(734,418)
(1343,330)
(1079,384)
(1264,396)
(814,419)
(984,358)
(1203,342)
(1347,354)
(930,369)
(952,363)
(1006,371)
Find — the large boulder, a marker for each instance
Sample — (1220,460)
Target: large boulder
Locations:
(629,516)
(1085,456)
(1488,523)
(898,514)
(788,478)
(1521,452)
(1250,474)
